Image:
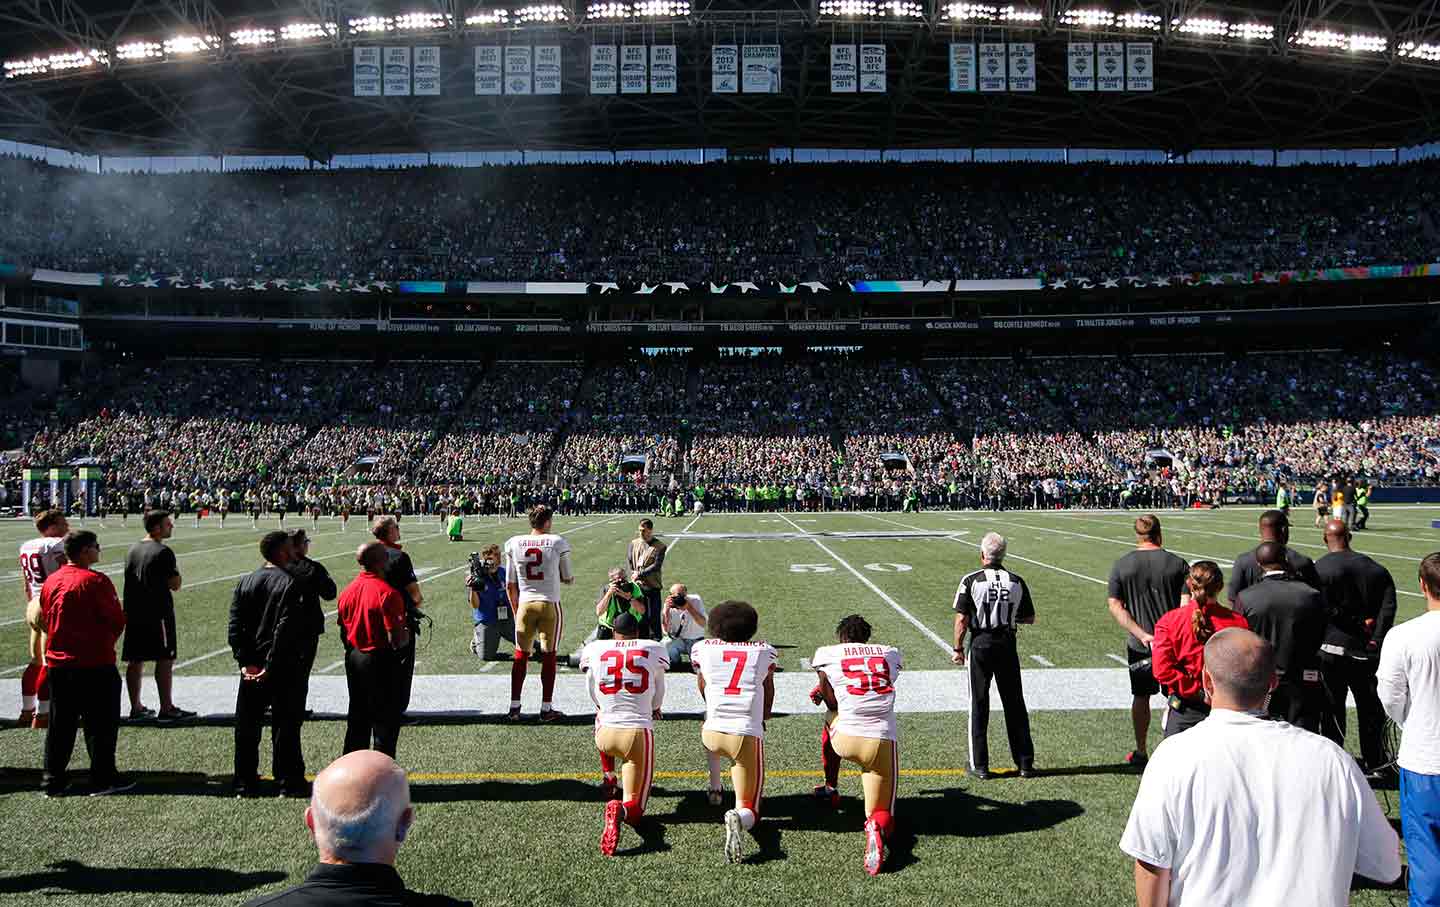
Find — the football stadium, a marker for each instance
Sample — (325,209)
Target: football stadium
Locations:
(611,452)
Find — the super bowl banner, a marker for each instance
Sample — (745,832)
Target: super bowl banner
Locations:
(397,72)
(488,74)
(427,71)
(843,71)
(724,68)
(632,69)
(1139,66)
(604,69)
(962,67)
(1110,66)
(761,68)
(517,69)
(992,67)
(547,69)
(1081,65)
(663,69)
(872,68)
(367,72)
(1022,67)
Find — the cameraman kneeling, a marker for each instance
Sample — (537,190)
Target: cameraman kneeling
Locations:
(620,596)
(683,620)
(489,605)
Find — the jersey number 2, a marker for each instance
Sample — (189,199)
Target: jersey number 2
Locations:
(617,663)
(872,675)
(534,558)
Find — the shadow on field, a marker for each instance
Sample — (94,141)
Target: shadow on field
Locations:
(170,784)
(507,791)
(74,876)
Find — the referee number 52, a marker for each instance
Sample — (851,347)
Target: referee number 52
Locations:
(870,675)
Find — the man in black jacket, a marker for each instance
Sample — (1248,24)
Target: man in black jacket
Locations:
(1360,597)
(359,816)
(268,636)
(315,584)
(1274,527)
(1291,615)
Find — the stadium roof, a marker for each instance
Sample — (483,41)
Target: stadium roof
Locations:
(1360,75)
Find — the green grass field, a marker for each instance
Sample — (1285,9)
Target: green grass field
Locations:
(510,815)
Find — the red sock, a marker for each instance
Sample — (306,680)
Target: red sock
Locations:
(633,811)
(517,675)
(884,821)
(42,684)
(829,758)
(547,676)
(607,765)
(30,681)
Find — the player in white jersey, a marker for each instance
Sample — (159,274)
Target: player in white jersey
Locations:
(737,681)
(39,558)
(626,679)
(535,567)
(857,686)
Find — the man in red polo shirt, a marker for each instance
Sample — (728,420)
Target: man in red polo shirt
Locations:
(376,636)
(83,620)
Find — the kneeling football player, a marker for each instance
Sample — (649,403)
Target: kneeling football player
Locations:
(857,686)
(737,681)
(626,678)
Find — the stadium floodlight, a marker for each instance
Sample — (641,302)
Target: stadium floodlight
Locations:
(185,45)
(253,37)
(489,17)
(1207,28)
(1138,22)
(306,31)
(370,25)
(661,9)
(1323,37)
(1087,18)
(61,62)
(1018,14)
(1251,31)
(848,7)
(545,12)
(901,9)
(607,11)
(139,50)
(420,21)
(1375,44)
(1427,52)
(971,12)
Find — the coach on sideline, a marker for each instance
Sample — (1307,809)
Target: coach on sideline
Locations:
(372,622)
(358,817)
(83,620)
(1193,829)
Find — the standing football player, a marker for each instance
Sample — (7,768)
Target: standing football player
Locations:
(39,557)
(737,681)
(535,566)
(626,679)
(857,686)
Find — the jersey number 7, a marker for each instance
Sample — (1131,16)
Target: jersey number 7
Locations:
(617,663)
(871,675)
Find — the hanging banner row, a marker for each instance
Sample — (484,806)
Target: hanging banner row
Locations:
(863,71)
(1103,66)
(388,71)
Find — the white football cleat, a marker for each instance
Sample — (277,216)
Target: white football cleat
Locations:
(734,830)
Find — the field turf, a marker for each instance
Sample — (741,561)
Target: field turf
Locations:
(510,816)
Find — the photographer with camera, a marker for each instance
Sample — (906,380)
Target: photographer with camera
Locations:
(489,605)
(683,620)
(618,597)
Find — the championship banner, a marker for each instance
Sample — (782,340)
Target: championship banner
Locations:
(842,68)
(488,77)
(517,69)
(1139,66)
(632,68)
(397,72)
(1022,67)
(547,69)
(1081,57)
(724,68)
(992,67)
(962,67)
(604,74)
(872,68)
(663,69)
(367,72)
(761,68)
(1109,66)
(427,71)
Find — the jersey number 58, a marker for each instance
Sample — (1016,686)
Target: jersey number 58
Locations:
(871,675)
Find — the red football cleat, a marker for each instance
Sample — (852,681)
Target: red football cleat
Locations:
(874,849)
(610,837)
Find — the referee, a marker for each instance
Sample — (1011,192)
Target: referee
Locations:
(988,604)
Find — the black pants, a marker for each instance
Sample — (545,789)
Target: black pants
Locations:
(993,655)
(406,677)
(1298,702)
(283,691)
(1184,718)
(307,664)
(1364,516)
(91,694)
(378,686)
(653,614)
(1342,674)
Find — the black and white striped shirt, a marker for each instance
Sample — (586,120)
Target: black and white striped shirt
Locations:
(993,598)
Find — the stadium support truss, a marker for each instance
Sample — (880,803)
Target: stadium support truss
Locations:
(182,77)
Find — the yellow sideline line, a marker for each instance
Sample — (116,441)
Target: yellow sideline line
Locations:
(590,776)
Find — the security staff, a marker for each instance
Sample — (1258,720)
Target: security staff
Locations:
(399,572)
(1360,598)
(1291,615)
(268,631)
(1274,527)
(315,584)
(645,559)
(1362,504)
(376,632)
(988,604)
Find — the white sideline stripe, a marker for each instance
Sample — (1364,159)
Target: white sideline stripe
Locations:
(1011,556)
(919,625)
(1042,661)
(1113,657)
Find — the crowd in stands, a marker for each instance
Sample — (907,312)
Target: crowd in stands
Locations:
(737,221)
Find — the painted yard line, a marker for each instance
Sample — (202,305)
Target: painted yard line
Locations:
(199,658)
(1114,657)
(12,621)
(1222,561)
(918,624)
(331,666)
(109,569)
(1043,662)
(15,670)
(1013,557)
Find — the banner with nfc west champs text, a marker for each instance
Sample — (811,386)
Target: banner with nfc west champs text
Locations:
(397,72)
(872,68)
(761,68)
(604,68)
(367,72)
(842,69)
(962,67)
(427,71)
(724,68)
(663,69)
(1081,65)
(632,68)
(547,69)
(517,69)
(488,73)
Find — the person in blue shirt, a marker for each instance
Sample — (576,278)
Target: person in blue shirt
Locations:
(489,605)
